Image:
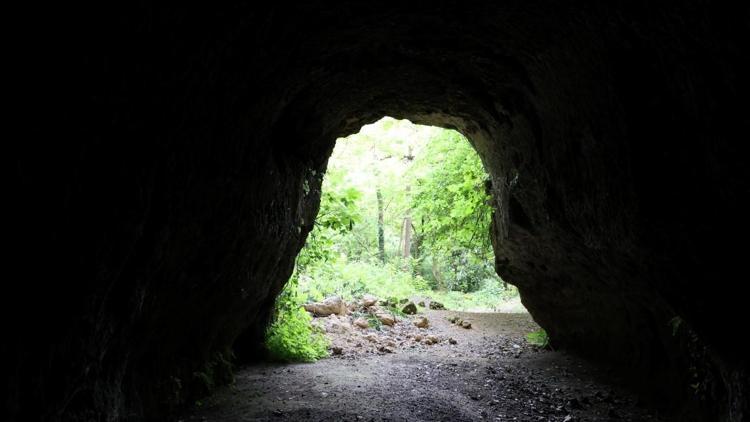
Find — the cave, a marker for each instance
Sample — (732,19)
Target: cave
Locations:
(157,201)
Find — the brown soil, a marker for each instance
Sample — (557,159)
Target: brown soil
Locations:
(491,373)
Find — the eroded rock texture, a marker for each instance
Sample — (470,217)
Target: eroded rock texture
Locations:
(171,166)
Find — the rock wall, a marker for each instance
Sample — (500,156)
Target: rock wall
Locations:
(171,164)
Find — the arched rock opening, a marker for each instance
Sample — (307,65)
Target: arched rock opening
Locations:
(167,206)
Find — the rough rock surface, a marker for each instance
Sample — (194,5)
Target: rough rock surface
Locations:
(369,300)
(409,309)
(334,324)
(386,318)
(171,162)
(403,334)
(330,305)
(421,322)
(361,323)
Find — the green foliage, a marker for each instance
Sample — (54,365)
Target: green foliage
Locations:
(675,324)
(374,321)
(352,279)
(338,214)
(538,338)
(371,319)
(451,201)
(291,337)
(396,312)
(338,211)
(451,205)
(430,175)
(464,272)
(218,371)
(490,297)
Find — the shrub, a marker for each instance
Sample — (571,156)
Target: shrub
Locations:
(351,279)
(538,338)
(291,337)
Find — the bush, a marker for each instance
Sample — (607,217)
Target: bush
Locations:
(538,338)
(291,337)
(488,298)
(350,280)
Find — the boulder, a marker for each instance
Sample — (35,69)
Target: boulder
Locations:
(422,322)
(431,339)
(409,309)
(334,325)
(466,324)
(331,305)
(386,318)
(436,305)
(362,322)
(369,300)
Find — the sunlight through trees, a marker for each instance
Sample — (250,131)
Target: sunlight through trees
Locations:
(405,212)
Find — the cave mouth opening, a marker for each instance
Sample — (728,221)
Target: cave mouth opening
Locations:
(403,230)
(158,191)
(405,220)
(369,257)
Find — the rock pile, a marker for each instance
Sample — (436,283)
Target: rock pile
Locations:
(460,322)
(366,326)
(331,305)
(436,305)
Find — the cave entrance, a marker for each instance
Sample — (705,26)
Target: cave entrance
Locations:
(401,235)
(401,239)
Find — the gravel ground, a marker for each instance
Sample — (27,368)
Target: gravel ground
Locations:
(490,373)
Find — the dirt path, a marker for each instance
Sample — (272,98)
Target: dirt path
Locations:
(491,373)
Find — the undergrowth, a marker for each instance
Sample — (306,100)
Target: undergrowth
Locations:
(352,279)
(291,337)
(538,338)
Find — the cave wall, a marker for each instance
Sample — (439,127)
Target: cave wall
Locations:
(172,162)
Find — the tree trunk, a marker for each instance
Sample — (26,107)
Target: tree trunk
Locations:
(416,242)
(438,277)
(406,237)
(381,236)
(406,226)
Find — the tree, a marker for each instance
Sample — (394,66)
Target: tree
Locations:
(406,225)
(381,234)
(452,205)
(421,198)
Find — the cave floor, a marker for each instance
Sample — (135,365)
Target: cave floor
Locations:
(491,373)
